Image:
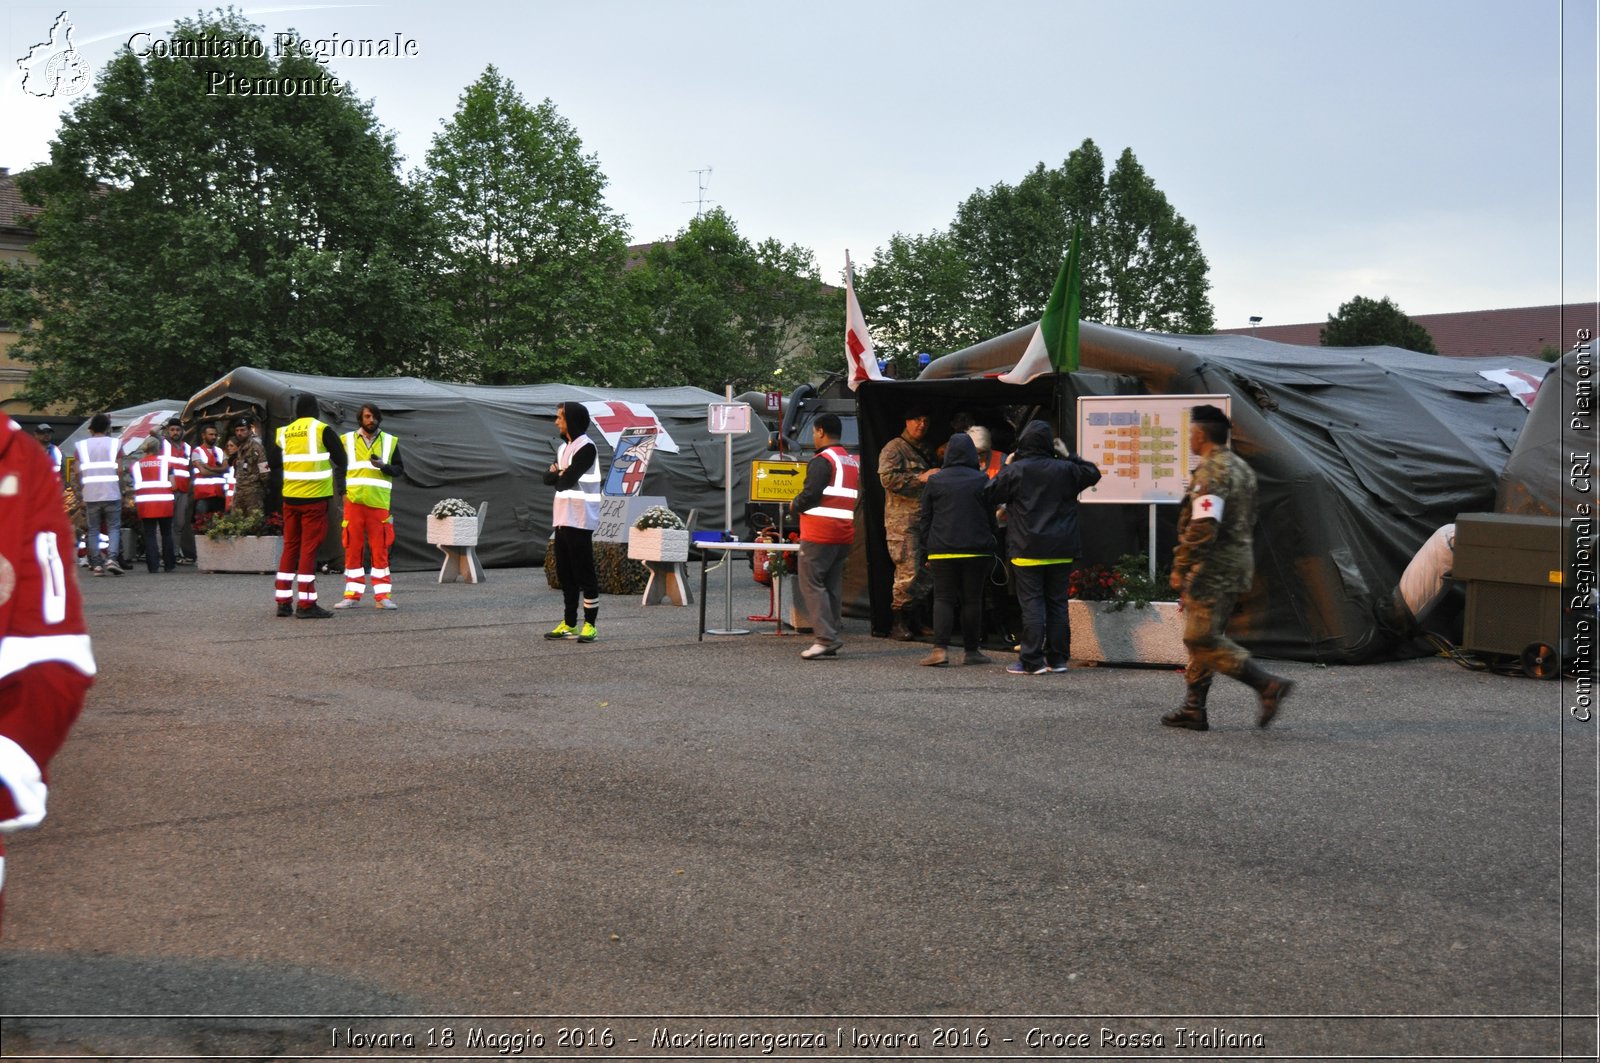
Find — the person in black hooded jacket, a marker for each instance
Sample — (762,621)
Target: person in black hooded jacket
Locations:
(956,541)
(1040,489)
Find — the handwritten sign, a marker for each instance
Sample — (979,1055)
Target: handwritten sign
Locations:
(617,514)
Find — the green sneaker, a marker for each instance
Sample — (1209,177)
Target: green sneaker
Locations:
(587,634)
(562,630)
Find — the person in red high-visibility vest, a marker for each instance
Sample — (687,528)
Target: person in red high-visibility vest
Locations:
(210,465)
(153,503)
(827,507)
(178,454)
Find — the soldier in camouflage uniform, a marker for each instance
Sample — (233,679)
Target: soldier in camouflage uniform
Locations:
(250,469)
(1213,564)
(903,469)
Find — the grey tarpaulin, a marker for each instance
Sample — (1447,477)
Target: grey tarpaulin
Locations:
(493,443)
(1361,454)
(1539,478)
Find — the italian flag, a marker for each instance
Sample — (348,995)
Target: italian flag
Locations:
(1053,347)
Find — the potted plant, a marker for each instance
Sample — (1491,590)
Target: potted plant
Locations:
(240,540)
(1120,614)
(453,522)
(658,535)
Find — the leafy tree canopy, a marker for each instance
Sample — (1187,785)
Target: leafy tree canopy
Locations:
(533,264)
(189,227)
(713,309)
(1364,322)
(994,268)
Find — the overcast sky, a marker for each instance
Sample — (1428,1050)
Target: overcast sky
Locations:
(1434,151)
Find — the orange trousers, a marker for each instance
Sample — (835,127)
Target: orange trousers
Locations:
(366,528)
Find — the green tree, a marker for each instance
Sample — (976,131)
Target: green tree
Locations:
(916,288)
(1364,322)
(188,227)
(711,309)
(993,272)
(1148,259)
(533,267)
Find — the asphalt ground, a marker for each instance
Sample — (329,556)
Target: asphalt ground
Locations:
(285,838)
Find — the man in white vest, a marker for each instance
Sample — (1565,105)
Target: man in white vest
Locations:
(575,475)
(374,462)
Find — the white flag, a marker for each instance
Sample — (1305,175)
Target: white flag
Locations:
(857,340)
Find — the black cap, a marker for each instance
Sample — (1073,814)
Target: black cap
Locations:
(1208,415)
(243,422)
(44,430)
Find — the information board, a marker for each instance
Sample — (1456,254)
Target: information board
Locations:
(776,481)
(1141,444)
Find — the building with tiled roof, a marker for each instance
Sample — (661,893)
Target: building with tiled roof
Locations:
(16,237)
(1531,331)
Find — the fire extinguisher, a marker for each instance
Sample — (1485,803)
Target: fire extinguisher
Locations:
(764,560)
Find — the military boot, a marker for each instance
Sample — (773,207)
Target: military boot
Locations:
(1271,689)
(1192,715)
(901,631)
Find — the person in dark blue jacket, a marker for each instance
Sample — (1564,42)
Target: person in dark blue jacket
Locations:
(956,540)
(1040,491)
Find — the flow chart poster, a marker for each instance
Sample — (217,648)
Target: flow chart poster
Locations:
(1141,443)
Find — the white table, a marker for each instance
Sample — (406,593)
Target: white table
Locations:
(728,549)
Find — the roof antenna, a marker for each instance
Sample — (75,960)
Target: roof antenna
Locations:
(703,180)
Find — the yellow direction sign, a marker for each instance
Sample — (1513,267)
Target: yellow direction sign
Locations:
(776,481)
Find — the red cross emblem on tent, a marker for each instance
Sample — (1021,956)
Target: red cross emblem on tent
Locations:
(621,416)
(613,416)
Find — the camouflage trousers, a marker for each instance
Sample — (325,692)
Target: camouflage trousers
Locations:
(911,582)
(1210,649)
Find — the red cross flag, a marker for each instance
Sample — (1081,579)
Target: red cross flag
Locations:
(858,354)
(612,417)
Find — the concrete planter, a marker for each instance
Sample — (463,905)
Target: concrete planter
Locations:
(453,531)
(658,544)
(1152,635)
(244,553)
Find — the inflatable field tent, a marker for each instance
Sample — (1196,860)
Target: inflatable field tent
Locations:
(494,444)
(1360,453)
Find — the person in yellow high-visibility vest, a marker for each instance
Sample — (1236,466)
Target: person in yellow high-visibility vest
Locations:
(310,453)
(374,462)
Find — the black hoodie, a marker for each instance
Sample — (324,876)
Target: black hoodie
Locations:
(954,518)
(1040,492)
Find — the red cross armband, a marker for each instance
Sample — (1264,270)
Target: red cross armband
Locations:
(1206,507)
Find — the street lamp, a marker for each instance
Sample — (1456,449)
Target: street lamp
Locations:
(1254,321)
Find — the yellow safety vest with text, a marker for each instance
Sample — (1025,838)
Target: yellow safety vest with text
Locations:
(307,468)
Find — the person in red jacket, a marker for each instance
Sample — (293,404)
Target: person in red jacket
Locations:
(46,664)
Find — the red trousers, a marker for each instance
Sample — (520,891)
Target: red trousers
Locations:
(304,527)
(366,527)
